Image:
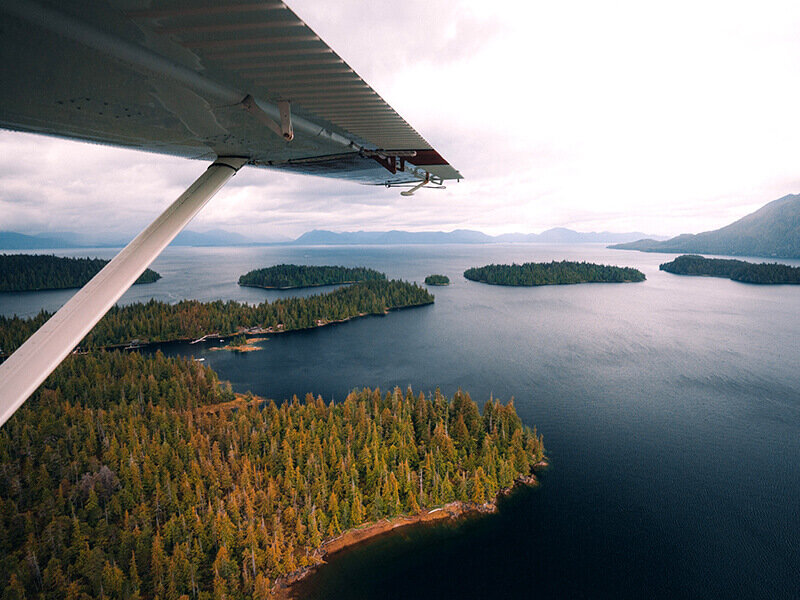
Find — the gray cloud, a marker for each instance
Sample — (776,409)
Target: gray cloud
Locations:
(576,114)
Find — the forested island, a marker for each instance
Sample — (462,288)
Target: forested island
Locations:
(737,270)
(128,476)
(437,280)
(284,277)
(241,343)
(552,273)
(36,272)
(190,319)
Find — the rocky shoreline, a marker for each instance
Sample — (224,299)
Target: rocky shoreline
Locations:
(285,588)
(300,287)
(251,331)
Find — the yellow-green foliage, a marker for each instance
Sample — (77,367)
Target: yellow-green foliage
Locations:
(122,478)
(159,321)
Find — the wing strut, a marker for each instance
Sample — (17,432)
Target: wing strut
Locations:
(32,362)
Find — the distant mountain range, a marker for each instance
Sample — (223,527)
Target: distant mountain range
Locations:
(319,237)
(558,235)
(10,240)
(772,231)
(561,235)
(220,237)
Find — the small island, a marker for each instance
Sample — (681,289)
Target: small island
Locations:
(437,280)
(241,343)
(38,272)
(552,273)
(141,323)
(737,270)
(285,277)
(157,481)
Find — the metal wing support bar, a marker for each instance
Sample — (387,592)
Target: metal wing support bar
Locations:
(32,362)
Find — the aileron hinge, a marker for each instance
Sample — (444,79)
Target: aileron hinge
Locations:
(286,120)
(284,128)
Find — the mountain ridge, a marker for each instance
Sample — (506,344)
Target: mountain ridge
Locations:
(772,231)
(558,235)
(10,240)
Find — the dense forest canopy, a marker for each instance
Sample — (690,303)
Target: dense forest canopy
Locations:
(552,273)
(30,272)
(437,280)
(126,477)
(738,270)
(190,319)
(297,276)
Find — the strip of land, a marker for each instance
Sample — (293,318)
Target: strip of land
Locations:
(284,277)
(38,272)
(153,322)
(552,273)
(242,343)
(736,270)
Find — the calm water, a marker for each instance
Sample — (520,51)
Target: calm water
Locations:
(670,410)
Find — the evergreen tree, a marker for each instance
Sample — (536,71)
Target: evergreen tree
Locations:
(552,273)
(30,272)
(143,477)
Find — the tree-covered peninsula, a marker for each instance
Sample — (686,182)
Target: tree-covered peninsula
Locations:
(437,280)
(284,277)
(737,270)
(160,322)
(133,477)
(34,272)
(552,273)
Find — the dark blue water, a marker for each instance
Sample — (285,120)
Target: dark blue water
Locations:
(670,410)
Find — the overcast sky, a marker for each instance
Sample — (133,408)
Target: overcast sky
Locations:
(664,117)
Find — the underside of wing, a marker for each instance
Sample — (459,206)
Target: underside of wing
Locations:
(202,79)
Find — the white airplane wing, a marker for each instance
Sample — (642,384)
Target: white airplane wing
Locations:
(201,79)
(238,82)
